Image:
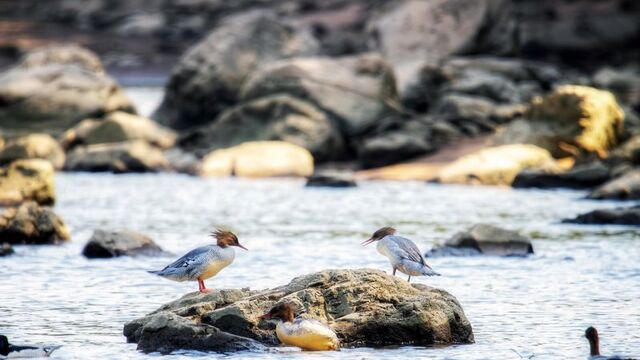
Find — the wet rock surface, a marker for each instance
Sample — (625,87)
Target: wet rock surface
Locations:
(616,216)
(625,187)
(24,180)
(579,177)
(107,244)
(483,239)
(31,224)
(335,179)
(364,307)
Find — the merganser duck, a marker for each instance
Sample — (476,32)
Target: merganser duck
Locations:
(403,254)
(10,351)
(307,334)
(203,262)
(594,344)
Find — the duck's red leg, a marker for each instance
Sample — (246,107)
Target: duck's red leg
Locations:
(202,287)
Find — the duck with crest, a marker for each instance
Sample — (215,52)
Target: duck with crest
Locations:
(402,253)
(307,334)
(203,262)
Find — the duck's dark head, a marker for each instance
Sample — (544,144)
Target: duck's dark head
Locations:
(226,238)
(594,342)
(4,345)
(379,234)
(284,312)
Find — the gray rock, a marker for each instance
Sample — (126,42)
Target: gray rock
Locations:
(625,187)
(208,78)
(355,303)
(617,216)
(334,179)
(579,177)
(394,146)
(277,117)
(6,249)
(107,244)
(484,239)
(129,156)
(31,224)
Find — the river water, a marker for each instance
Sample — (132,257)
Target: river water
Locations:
(519,307)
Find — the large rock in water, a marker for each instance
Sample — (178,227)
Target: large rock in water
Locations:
(32,224)
(357,90)
(208,78)
(33,146)
(626,187)
(116,127)
(30,179)
(108,244)
(483,239)
(54,89)
(617,216)
(495,165)
(579,177)
(258,159)
(364,307)
(412,33)
(127,156)
(277,117)
(570,119)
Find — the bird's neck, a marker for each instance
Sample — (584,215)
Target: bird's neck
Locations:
(594,346)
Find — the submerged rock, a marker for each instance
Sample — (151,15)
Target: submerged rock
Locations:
(331,179)
(364,307)
(258,159)
(24,180)
(569,120)
(579,177)
(495,165)
(54,89)
(617,216)
(6,249)
(107,244)
(483,239)
(33,146)
(128,156)
(625,187)
(32,224)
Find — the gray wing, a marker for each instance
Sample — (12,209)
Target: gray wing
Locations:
(194,256)
(409,250)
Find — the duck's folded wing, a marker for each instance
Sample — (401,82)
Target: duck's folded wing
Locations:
(408,250)
(193,257)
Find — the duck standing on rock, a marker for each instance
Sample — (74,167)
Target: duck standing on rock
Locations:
(307,334)
(10,351)
(203,262)
(403,254)
(594,346)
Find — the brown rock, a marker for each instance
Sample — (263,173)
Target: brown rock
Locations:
(30,179)
(32,224)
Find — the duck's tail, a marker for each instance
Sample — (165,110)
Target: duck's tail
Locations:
(428,271)
(154,272)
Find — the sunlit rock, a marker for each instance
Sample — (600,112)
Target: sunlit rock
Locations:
(30,179)
(32,224)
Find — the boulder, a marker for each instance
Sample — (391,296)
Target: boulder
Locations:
(569,120)
(483,239)
(472,114)
(616,216)
(258,159)
(625,187)
(629,151)
(495,165)
(30,179)
(579,177)
(333,179)
(108,244)
(128,156)
(624,83)
(394,146)
(117,127)
(208,78)
(364,307)
(65,54)
(33,146)
(165,332)
(277,117)
(356,90)
(55,91)
(6,249)
(414,32)
(32,224)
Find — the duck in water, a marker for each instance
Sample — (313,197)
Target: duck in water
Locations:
(10,351)
(204,262)
(594,346)
(307,334)
(402,253)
